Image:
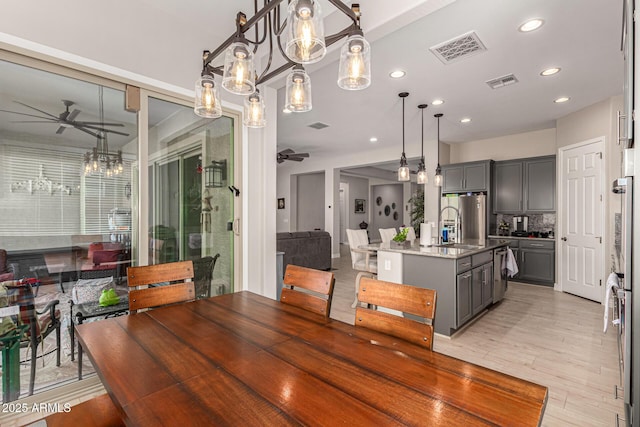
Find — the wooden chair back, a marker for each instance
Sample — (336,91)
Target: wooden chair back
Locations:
(413,300)
(139,279)
(316,289)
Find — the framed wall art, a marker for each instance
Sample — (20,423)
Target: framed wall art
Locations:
(359,205)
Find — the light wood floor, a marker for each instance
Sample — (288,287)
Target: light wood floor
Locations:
(535,333)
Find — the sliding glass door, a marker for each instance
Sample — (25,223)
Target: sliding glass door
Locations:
(191,205)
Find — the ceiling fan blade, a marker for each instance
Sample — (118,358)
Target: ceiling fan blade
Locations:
(295,159)
(31,121)
(100,124)
(301,154)
(30,115)
(286,151)
(95,135)
(280,160)
(60,130)
(78,126)
(72,115)
(34,108)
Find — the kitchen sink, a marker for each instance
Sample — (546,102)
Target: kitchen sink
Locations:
(457,246)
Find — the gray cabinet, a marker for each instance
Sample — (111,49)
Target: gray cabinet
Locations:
(507,196)
(487,284)
(536,260)
(463,297)
(474,285)
(540,185)
(463,177)
(525,185)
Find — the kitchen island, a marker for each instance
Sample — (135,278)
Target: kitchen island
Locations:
(462,276)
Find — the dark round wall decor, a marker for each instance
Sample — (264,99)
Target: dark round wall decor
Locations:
(395,216)
(387,210)
(378,200)
(393,205)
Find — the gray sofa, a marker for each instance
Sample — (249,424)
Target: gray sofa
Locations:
(305,248)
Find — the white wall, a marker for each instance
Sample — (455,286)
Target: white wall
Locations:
(391,195)
(358,189)
(598,120)
(521,145)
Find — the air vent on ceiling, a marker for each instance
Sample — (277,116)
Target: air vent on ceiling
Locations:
(318,125)
(461,47)
(503,81)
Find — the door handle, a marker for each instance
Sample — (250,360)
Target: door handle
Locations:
(564,239)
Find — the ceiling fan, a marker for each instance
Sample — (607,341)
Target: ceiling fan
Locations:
(289,154)
(67,119)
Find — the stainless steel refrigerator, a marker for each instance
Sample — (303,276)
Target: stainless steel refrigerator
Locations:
(473,218)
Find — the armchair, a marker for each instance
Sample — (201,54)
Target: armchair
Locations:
(105,259)
(7,271)
(362,260)
(41,322)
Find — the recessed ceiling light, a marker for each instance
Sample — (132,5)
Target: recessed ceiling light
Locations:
(373,139)
(437,102)
(465,120)
(396,74)
(286,110)
(530,25)
(550,71)
(562,99)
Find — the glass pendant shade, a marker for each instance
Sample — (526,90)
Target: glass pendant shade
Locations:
(207,102)
(239,73)
(404,174)
(354,71)
(437,180)
(298,92)
(305,32)
(422,177)
(254,111)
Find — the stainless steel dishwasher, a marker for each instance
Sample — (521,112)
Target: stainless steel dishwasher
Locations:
(499,274)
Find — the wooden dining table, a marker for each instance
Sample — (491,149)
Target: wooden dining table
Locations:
(242,359)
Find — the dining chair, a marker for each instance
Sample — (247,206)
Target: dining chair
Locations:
(308,288)
(386,234)
(407,299)
(41,322)
(203,274)
(362,260)
(411,234)
(173,280)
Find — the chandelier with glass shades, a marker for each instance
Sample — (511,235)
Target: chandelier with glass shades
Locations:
(299,39)
(100,161)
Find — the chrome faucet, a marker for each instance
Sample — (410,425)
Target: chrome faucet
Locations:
(456,224)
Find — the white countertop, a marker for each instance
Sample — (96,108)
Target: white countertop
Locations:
(438,251)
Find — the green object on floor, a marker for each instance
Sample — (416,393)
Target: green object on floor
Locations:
(108,297)
(10,345)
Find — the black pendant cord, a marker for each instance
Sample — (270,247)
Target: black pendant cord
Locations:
(403,126)
(437,116)
(422,139)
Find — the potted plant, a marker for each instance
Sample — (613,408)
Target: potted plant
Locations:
(400,239)
(417,209)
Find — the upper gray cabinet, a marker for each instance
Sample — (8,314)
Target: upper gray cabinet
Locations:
(525,185)
(463,177)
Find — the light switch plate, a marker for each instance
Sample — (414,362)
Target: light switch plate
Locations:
(387,264)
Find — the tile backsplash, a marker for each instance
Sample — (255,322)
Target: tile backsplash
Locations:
(536,222)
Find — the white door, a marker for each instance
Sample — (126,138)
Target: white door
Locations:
(581,215)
